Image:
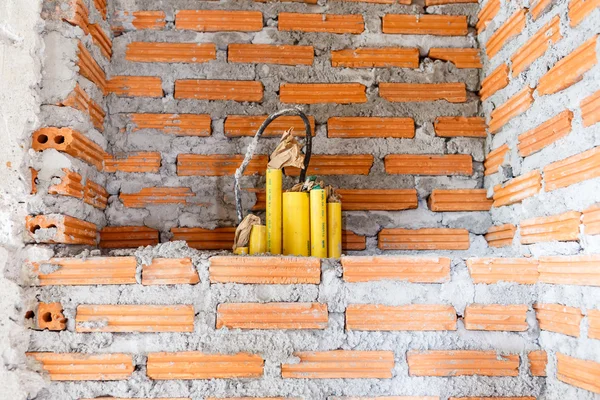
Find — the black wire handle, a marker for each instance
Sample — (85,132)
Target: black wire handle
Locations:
(240,171)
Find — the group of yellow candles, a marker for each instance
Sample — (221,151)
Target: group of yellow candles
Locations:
(297,223)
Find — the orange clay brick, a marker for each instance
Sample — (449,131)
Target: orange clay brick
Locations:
(170,271)
(198,365)
(594,324)
(80,100)
(537,7)
(272,316)
(536,46)
(370,127)
(70,185)
(409,269)
(517,189)
(441,2)
(204,89)
(101,39)
(461,362)
(423,239)
(562,227)
(513,26)
(353,242)
(95,195)
(149,52)
(495,81)
(367,57)
(494,270)
(378,199)
(135,86)
(102,7)
(501,235)
(337,164)
(34,180)
(545,134)
(89,68)
(462,58)
(139,398)
(516,105)
(138,20)
(495,159)
(85,367)
(387,397)
(537,362)
(154,196)
(459,200)
(487,13)
(261,398)
(570,69)
(493,398)
(590,109)
(580,373)
(591,220)
(570,270)
(460,126)
(247,125)
(71,142)
(414,317)
(265,270)
(408,164)
(130,318)
(572,170)
(315,93)
(64,229)
(580,9)
(175,124)
(439,25)
(88,271)
(419,92)
(558,318)
(348,364)
(496,317)
(50,316)
(205,239)
(219,20)
(76,13)
(405,2)
(218,164)
(127,237)
(141,161)
(270,54)
(331,23)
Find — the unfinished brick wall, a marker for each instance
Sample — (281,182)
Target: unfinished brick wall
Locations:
(389,88)
(479,286)
(541,92)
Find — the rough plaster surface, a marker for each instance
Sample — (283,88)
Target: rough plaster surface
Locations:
(20,63)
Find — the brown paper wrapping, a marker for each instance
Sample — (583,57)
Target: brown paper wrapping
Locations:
(288,153)
(242,232)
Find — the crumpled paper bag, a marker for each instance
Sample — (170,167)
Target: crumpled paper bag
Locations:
(332,195)
(242,232)
(288,153)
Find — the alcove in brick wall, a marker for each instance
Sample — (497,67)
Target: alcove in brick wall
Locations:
(469,209)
